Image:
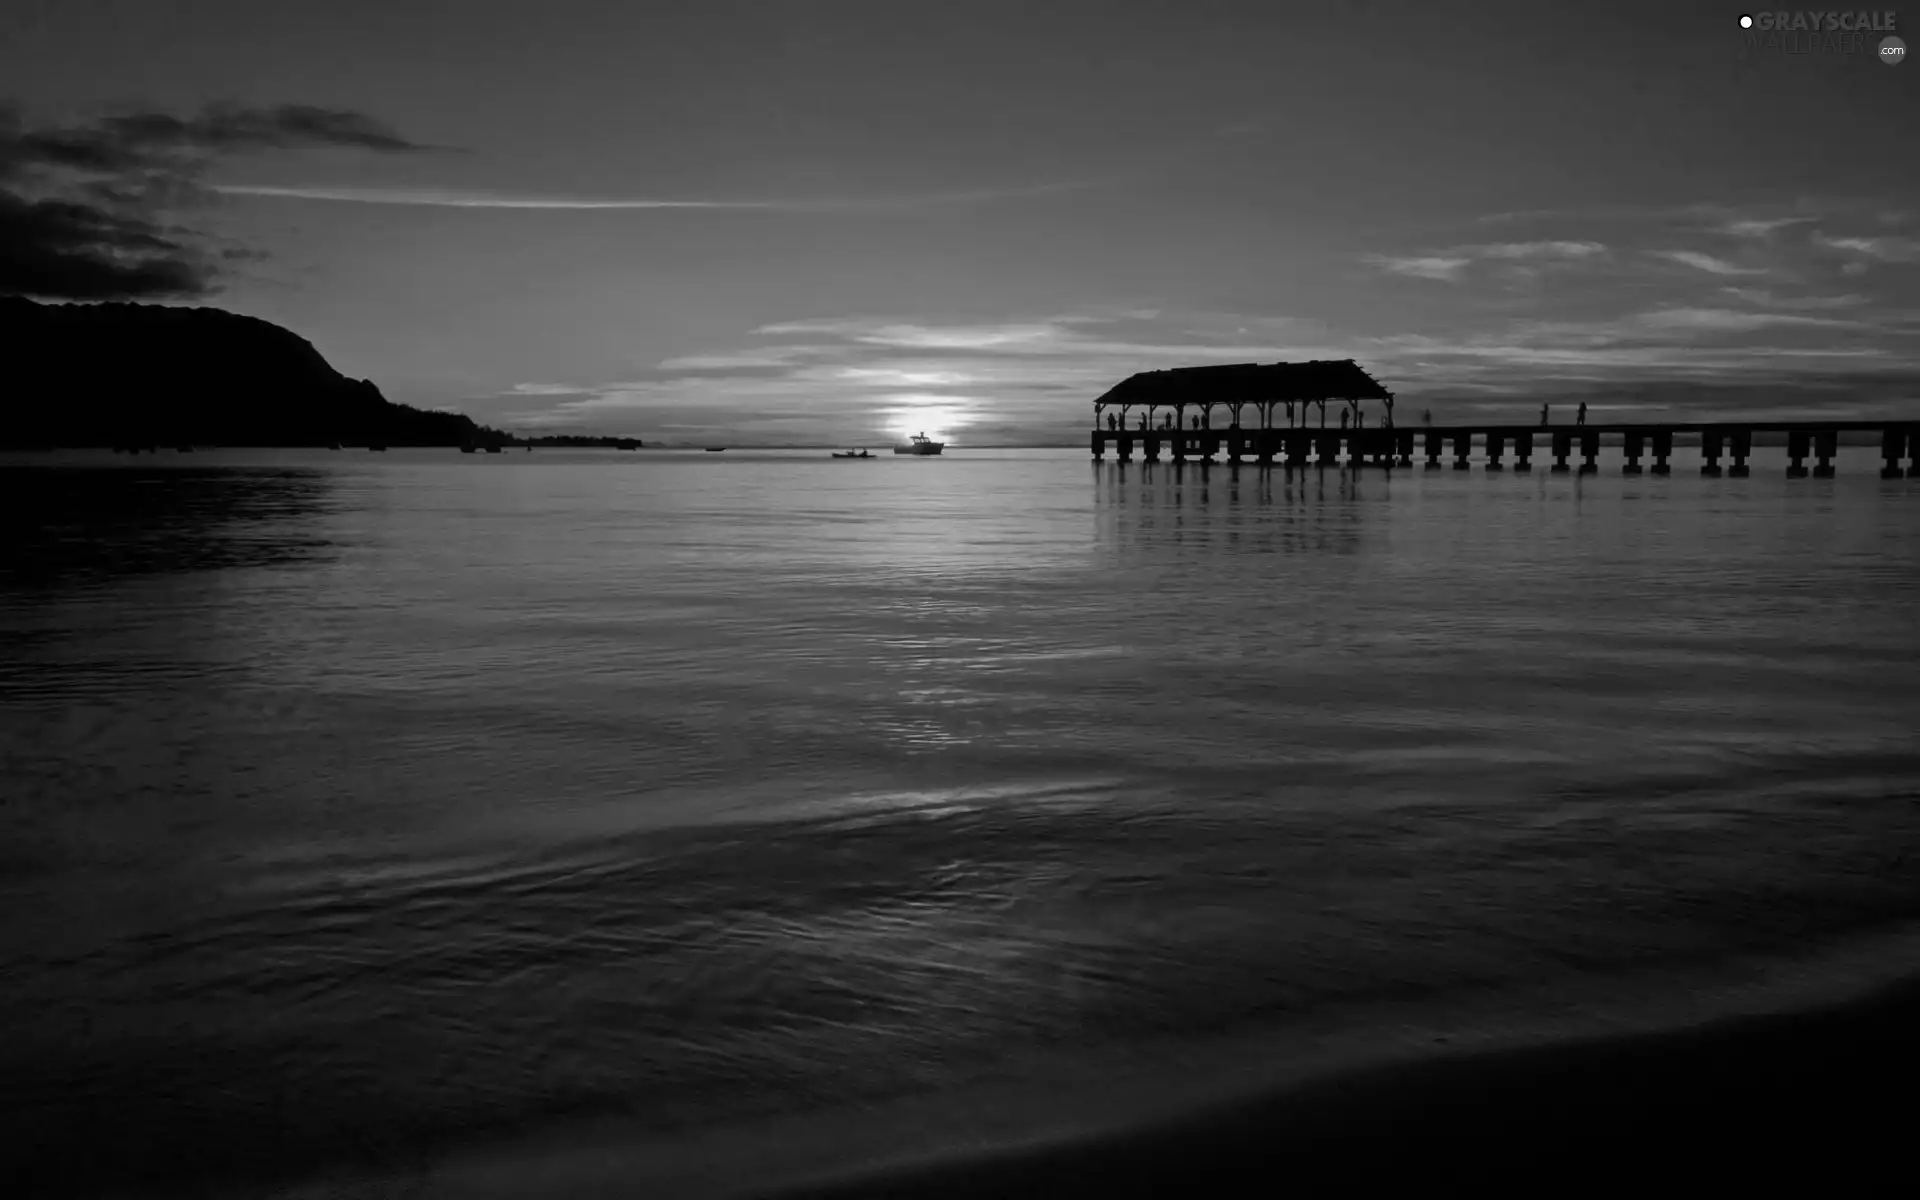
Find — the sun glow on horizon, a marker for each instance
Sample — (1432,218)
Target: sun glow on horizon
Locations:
(936,416)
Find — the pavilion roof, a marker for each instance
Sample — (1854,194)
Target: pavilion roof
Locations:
(1249,383)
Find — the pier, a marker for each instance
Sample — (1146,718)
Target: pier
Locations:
(1171,413)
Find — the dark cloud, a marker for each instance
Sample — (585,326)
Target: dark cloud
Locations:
(135,141)
(76,251)
(82,205)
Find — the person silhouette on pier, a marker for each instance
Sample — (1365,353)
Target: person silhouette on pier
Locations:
(1196,422)
(1543,416)
(1289,414)
(1343,418)
(1580,418)
(1426,418)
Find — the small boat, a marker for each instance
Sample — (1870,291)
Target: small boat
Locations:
(493,449)
(715,449)
(333,445)
(468,449)
(852,454)
(919,443)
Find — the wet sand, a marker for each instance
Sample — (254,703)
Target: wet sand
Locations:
(1823,1098)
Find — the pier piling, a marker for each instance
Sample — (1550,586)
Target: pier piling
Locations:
(1797,454)
(1389,447)
(1824,442)
(1710,453)
(1893,444)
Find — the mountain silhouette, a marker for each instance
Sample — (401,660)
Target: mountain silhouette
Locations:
(152,375)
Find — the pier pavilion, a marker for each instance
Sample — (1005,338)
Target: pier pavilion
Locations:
(1173,410)
(1159,401)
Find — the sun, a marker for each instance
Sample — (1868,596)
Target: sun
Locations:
(937,421)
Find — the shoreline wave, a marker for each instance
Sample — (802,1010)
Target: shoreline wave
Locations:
(1332,1091)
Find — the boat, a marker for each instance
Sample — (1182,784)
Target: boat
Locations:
(861,453)
(493,449)
(715,449)
(468,449)
(919,443)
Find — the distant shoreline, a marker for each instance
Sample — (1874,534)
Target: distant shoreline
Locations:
(1848,438)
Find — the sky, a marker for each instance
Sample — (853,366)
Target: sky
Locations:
(840,222)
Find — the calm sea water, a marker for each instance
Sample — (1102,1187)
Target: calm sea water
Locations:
(361,806)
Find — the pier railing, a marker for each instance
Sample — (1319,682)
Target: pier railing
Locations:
(1396,447)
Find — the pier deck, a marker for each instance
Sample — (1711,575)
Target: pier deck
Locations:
(1396,446)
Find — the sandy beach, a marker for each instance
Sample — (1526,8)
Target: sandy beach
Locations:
(1815,1099)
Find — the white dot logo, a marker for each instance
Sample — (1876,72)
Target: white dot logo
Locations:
(1746,22)
(1893,51)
